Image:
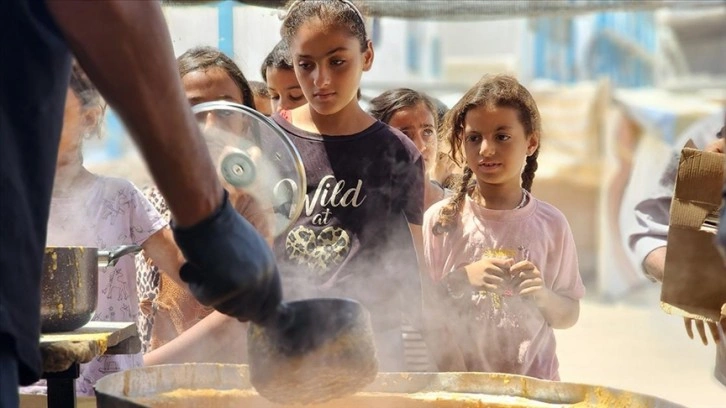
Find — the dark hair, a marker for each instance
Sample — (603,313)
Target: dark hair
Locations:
(204,58)
(259,89)
(83,88)
(278,58)
(441,109)
(385,105)
(490,91)
(333,13)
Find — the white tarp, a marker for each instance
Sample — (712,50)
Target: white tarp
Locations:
(483,9)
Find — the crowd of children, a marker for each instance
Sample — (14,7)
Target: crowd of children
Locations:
(481,267)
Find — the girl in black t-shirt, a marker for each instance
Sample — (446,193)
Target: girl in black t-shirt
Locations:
(361,222)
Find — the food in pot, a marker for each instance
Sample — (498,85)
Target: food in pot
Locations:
(340,366)
(186,398)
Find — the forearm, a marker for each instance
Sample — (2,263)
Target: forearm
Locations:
(165,255)
(654,263)
(125,48)
(203,342)
(560,311)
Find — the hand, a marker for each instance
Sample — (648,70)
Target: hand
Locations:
(492,274)
(717,146)
(260,218)
(229,265)
(713,328)
(527,280)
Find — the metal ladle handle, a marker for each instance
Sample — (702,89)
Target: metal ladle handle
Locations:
(285,192)
(110,257)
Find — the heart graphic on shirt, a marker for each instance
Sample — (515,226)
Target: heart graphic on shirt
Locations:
(317,251)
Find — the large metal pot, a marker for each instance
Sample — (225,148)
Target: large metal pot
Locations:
(69,284)
(144,387)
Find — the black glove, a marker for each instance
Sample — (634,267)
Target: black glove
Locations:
(229,265)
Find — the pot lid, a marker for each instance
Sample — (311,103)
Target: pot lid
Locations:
(255,158)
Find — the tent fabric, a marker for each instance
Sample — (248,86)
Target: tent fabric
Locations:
(463,10)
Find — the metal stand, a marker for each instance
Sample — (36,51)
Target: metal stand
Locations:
(62,387)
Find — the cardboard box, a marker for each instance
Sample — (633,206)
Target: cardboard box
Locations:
(694,284)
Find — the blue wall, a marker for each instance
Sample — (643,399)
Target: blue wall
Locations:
(570,49)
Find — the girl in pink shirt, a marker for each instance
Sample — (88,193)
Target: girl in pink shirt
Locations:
(503,264)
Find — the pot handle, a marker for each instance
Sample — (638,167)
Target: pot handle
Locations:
(109,257)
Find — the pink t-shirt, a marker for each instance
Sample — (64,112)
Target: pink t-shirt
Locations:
(493,333)
(104,212)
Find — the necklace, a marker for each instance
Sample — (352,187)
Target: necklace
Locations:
(477,198)
(524,200)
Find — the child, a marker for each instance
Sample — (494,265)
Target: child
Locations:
(263,101)
(102,212)
(357,234)
(414,114)
(282,85)
(503,263)
(179,328)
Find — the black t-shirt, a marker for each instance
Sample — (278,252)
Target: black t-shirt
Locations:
(34,76)
(352,239)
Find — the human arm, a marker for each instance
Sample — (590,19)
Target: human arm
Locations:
(717,146)
(560,311)
(654,263)
(230,267)
(139,78)
(160,247)
(212,337)
(647,237)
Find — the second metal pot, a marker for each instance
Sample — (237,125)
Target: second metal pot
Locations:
(69,284)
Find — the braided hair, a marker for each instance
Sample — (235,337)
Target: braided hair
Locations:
(490,91)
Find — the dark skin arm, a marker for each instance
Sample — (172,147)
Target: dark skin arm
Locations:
(125,48)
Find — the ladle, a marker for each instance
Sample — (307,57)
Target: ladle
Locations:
(312,351)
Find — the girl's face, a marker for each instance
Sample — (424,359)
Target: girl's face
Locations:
(209,85)
(76,122)
(495,145)
(328,64)
(285,91)
(263,104)
(417,122)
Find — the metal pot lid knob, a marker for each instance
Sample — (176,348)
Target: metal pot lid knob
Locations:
(238,169)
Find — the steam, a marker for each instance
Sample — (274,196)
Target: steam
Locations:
(383,276)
